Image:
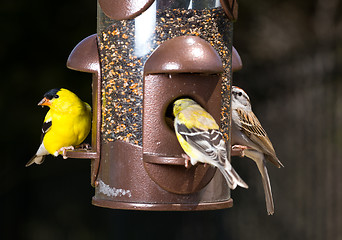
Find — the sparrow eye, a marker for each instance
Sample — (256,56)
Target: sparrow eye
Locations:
(240,94)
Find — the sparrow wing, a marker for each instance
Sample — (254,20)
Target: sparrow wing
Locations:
(250,123)
(251,126)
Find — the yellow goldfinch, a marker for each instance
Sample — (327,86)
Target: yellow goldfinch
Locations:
(66,124)
(250,139)
(201,139)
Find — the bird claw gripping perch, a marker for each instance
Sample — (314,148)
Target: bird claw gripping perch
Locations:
(63,150)
(238,150)
(187,162)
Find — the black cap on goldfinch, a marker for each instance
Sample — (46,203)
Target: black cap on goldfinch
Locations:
(48,96)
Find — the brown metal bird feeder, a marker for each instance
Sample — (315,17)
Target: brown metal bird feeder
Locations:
(145,55)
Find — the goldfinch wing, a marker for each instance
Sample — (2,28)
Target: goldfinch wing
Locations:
(251,126)
(201,131)
(207,142)
(210,143)
(46,124)
(88,107)
(38,158)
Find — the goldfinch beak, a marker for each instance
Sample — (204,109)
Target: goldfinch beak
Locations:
(44,102)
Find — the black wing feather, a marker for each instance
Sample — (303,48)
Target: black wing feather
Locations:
(208,142)
(45,128)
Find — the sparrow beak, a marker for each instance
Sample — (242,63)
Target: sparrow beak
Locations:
(44,102)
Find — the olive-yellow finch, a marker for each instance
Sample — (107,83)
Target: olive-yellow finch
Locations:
(201,139)
(66,124)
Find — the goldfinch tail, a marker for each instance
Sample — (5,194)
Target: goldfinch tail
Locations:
(35,159)
(232,177)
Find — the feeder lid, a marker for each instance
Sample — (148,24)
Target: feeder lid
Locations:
(124,9)
(236,60)
(184,54)
(84,57)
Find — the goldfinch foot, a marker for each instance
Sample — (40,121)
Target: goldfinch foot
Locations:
(238,150)
(187,162)
(64,149)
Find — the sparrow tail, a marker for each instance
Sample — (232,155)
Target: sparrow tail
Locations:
(267,188)
(259,159)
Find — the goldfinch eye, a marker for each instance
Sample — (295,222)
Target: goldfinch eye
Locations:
(56,96)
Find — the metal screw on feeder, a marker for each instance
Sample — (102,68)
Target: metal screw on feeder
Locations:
(145,55)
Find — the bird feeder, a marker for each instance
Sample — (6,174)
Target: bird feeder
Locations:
(145,55)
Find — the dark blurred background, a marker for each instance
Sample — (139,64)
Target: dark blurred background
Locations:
(292,56)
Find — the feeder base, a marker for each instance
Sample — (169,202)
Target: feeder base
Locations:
(163,206)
